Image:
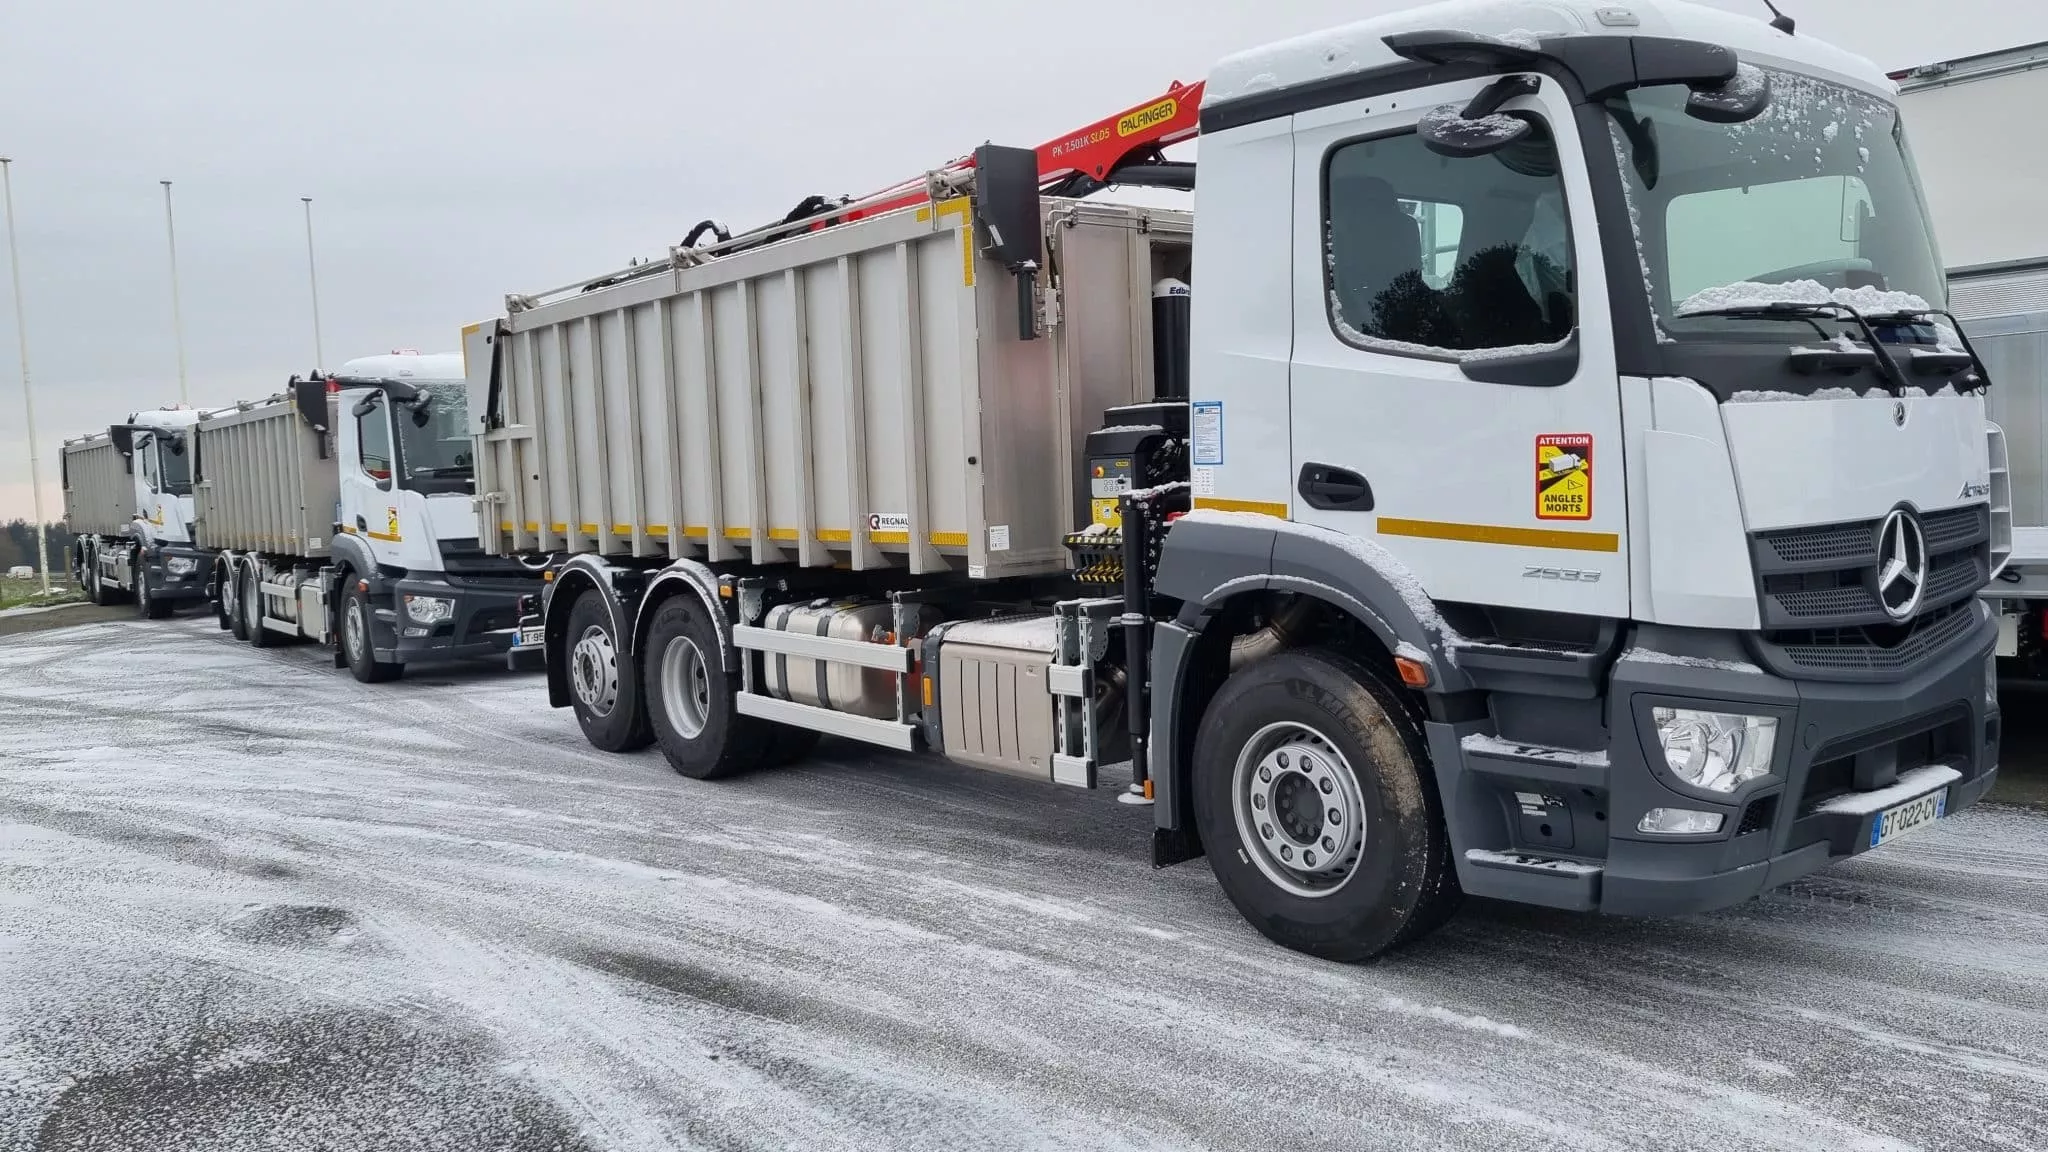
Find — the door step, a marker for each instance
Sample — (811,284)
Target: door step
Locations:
(1491,755)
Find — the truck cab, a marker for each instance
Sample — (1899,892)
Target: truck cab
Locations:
(407,501)
(1616,389)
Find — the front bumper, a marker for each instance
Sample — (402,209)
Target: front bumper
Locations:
(1834,740)
(485,623)
(189,588)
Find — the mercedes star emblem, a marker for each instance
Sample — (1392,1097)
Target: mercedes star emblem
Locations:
(1899,413)
(1901,564)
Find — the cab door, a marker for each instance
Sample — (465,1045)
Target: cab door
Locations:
(1454,395)
(370,497)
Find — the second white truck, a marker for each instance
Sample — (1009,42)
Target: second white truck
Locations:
(342,512)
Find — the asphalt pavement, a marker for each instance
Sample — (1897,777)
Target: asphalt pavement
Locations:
(248,903)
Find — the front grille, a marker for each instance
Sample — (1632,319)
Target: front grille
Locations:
(1817,594)
(1863,649)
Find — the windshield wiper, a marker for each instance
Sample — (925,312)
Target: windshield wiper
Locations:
(1888,368)
(1924,362)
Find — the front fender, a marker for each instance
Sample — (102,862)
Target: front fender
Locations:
(1209,557)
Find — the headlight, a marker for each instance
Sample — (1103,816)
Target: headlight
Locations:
(180,565)
(1715,750)
(429,609)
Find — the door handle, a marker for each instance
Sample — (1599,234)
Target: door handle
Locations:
(1334,489)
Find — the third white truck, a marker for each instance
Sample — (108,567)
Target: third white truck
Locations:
(1540,468)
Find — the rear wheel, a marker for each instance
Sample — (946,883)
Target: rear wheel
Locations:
(89,576)
(252,609)
(693,700)
(1312,797)
(231,603)
(358,645)
(603,691)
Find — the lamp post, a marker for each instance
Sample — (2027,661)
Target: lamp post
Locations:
(28,402)
(313,277)
(177,312)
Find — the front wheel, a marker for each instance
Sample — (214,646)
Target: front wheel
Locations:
(1312,795)
(604,693)
(148,605)
(358,649)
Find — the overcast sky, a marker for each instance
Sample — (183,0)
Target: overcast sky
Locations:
(460,151)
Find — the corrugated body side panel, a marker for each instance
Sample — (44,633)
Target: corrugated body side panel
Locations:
(2015,352)
(99,492)
(263,485)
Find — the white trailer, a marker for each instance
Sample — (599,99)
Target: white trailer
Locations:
(1986,199)
(128,504)
(1461,552)
(342,512)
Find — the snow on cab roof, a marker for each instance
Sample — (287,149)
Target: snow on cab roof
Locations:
(436,366)
(1358,47)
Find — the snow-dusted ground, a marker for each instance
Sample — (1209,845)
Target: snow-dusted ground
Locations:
(247,903)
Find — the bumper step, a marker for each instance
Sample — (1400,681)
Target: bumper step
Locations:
(1551,881)
(1492,756)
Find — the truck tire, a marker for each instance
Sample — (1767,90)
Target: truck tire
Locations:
(1289,741)
(692,699)
(89,579)
(147,606)
(223,600)
(251,601)
(603,690)
(358,639)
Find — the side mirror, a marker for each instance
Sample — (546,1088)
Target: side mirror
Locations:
(422,411)
(365,406)
(1480,128)
(1737,100)
(1006,207)
(177,444)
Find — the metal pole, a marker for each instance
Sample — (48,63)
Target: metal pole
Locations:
(313,276)
(28,403)
(177,312)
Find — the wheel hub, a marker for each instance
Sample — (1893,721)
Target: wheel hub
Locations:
(594,671)
(352,630)
(1300,810)
(685,686)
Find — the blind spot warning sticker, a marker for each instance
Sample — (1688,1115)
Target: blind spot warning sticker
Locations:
(1564,476)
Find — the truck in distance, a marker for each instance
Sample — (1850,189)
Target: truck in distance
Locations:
(1526,519)
(128,505)
(342,512)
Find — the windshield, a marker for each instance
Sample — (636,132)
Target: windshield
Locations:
(440,449)
(1816,199)
(175,466)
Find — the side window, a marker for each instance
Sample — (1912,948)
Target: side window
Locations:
(145,453)
(373,437)
(1432,255)
(1769,232)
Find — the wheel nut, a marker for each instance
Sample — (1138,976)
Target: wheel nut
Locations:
(1329,845)
(1259,801)
(1282,758)
(1327,786)
(1308,858)
(1266,774)
(1336,817)
(1286,853)
(1266,831)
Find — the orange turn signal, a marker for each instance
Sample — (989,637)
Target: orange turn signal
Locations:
(1414,673)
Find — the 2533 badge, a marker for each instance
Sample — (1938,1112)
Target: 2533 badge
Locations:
(1564,476)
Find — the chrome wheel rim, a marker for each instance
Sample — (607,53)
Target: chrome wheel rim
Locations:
(352,631)
(252,605)
(594,671)
(1299,808)
(685,686)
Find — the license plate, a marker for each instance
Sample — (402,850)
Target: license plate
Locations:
(535,637)
(1918,813)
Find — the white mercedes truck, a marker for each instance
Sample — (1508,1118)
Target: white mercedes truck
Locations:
(1539,468)
(341,511)
(1986,202)
(128,505)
